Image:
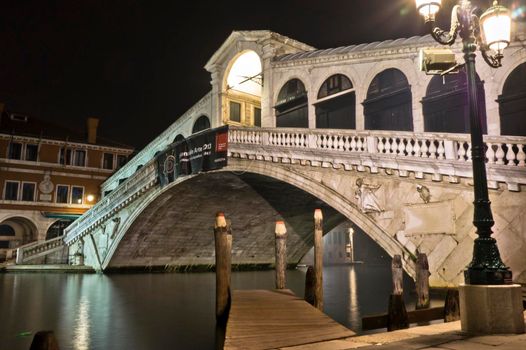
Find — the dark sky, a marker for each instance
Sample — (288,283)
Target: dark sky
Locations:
(138,65)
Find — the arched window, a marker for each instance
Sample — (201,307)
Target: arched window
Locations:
(512,103)
(57,229)
(336,112)
(291,109)
(6,230)
(388,105)
(445,105)
(202,123)
(178,138)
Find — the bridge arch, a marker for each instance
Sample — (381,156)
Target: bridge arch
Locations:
(332,198)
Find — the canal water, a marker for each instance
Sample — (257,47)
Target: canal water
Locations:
(163,311)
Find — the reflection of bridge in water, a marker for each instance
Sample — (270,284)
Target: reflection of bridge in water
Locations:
(397,164)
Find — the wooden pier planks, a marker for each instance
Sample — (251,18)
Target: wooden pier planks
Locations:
(264,319)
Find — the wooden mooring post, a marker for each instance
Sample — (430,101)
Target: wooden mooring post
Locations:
(44,340)
(281,255)
(318,259)
(223,245)
(422,282)
(452,305)
(397,314)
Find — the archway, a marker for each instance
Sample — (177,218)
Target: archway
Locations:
(157,232)
(242,90)
(178,138)
(336,105)
(388,105)
(57,228)
(292,106)
(202,123)
(445,104)
(17,231)
(512,103)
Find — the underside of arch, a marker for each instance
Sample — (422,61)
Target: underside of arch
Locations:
(176,228)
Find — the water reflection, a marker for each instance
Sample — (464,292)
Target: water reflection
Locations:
(162,311)
(82,327)
(353,306)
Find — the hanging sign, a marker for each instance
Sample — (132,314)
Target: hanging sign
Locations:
(202,152)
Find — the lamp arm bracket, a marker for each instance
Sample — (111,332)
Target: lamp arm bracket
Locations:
(444,37)
(494,61)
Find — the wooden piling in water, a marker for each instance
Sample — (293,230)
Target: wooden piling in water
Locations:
(318,259)
(281,254)
(422,282)
(452,306)
(223,246)
(397,315)
(44,340)
(309,285)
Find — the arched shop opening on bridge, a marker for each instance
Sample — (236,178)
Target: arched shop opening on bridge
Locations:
(242,90)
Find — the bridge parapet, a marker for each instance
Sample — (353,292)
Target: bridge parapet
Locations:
(438,154)
(131,189)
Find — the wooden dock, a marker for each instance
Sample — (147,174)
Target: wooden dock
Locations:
(265,319)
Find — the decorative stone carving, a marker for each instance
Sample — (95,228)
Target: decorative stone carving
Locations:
(367,200)
(424,192)
(46,186)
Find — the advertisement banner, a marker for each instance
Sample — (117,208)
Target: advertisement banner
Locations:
(202,152)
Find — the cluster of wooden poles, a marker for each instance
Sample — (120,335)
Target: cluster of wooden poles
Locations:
(397,317)
(223,253)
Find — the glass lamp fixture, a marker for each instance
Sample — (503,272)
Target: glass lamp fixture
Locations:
(428,8)
(90,198)
(495,24)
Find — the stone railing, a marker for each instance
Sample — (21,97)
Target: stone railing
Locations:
(129,190)
(35,250)
(435,153)
(420,153)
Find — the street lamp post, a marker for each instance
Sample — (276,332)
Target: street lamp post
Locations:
(491,34)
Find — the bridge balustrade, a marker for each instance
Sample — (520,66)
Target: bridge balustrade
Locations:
(438,154)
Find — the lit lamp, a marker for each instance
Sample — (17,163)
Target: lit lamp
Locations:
(90,198)
(487,279)
(428,9)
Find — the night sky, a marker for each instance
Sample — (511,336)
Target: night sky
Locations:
(138,65)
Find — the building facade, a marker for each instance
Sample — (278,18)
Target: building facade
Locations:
(49,176)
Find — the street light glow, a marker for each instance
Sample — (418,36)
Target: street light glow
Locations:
(496,27)
(428,8)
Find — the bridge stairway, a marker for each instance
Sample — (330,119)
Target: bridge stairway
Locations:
(32,251)
(273,319)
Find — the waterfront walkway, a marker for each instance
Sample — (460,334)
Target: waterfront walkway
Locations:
(444,336)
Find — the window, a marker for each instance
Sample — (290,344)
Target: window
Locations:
(512,103)
(80,158)
(31,152)
(65,156)
(121,160)
(77,194)
(389,102)
(445,105)
(257,116)
(202,123)
(291,108)
(107,161)
(235,111)
(6,230)
(28,191)
(14,150)
(62,194)
(336,112)
(11,190)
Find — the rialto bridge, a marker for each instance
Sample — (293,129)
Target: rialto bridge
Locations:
(358,131)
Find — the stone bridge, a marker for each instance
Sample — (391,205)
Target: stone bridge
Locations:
(407,191)
(306,131)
